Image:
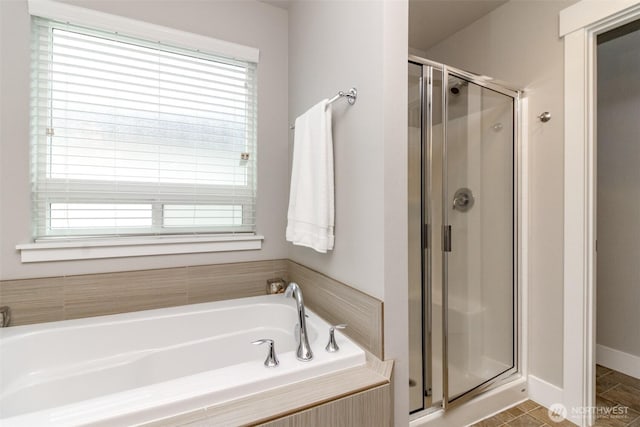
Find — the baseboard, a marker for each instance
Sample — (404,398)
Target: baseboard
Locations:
(542,392)
(618,360)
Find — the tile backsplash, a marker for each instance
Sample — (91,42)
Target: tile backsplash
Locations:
(59,298)
(71,297)
(338,303)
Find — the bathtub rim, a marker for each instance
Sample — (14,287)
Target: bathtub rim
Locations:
(9,333)
(289,399)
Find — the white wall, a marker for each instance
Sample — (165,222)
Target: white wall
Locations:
(3,64)
(246,22)
(334,45)
(618,281)
(325,57)
(518,43)
(396,206)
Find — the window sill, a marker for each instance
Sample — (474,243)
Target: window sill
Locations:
(80,249)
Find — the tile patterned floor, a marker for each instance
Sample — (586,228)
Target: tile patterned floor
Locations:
(617,399)
(617,390)
(526,414)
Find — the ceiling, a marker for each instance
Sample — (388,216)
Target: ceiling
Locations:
(282,4)
(431,21)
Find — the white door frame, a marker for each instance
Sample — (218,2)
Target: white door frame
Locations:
(579,25)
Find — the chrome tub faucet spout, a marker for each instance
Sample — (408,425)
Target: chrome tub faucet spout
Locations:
(304,352)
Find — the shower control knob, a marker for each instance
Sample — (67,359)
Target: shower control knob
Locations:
(332,345)
(272,359)
(463,200)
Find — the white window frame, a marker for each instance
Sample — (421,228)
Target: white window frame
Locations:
(110,247)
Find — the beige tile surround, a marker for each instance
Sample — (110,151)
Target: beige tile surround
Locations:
(70,297)
(370,408)
(338,303)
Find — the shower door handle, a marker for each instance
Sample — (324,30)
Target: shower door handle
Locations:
(426,236)
(446,238)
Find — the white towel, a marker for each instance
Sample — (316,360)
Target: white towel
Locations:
(311,199)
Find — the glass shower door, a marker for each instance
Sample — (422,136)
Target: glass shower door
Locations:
(417,375)
(462,234)
(478,238)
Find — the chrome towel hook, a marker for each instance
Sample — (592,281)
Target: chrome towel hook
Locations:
(545,117)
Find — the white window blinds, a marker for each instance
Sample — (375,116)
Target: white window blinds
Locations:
(135,137)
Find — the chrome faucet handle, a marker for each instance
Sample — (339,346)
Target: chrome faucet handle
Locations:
(5,313)
(272,360)
(332,346)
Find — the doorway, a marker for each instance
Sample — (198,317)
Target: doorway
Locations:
(580,25)
(618,223)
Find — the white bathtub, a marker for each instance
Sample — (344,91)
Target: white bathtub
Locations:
(137,367)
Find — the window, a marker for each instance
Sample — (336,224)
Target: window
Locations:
(131,137)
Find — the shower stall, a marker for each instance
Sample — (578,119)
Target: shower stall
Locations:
(463,232)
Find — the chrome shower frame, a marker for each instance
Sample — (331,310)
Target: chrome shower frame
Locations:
(426,136)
